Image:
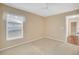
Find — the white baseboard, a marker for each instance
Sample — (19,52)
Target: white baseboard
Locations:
(30,40)
(34,39)
(53,38)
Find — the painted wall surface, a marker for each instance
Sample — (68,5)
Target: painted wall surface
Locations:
(56,25)
(2,29)
(73,28)
(33,26)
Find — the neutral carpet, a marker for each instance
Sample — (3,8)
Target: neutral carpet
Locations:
(43,47)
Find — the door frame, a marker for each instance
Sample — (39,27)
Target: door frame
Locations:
(68,21)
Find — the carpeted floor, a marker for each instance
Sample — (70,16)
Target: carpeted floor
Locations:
(43,47)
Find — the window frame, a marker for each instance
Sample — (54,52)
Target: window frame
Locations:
(13,38)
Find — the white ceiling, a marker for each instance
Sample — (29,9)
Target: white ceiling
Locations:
(45,9)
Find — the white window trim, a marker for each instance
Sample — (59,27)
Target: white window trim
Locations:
(8,39)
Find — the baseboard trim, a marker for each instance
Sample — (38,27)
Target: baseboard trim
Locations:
(52,38)
(33,39)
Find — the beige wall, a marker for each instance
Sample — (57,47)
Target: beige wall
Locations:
(33,26)
(2,38)
(73,28)
(56,26)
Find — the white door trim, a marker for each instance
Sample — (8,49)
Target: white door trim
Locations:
(67,22)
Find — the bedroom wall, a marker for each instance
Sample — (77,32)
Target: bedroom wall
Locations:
(2,39)
(73,27)
(56,26)
(33,26)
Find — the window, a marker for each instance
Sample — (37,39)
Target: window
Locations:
(14,26)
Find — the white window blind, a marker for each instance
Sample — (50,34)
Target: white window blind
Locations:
(14,26)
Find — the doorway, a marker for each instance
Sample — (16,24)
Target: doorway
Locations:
(72,29)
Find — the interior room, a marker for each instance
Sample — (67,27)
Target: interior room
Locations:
(39,28)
